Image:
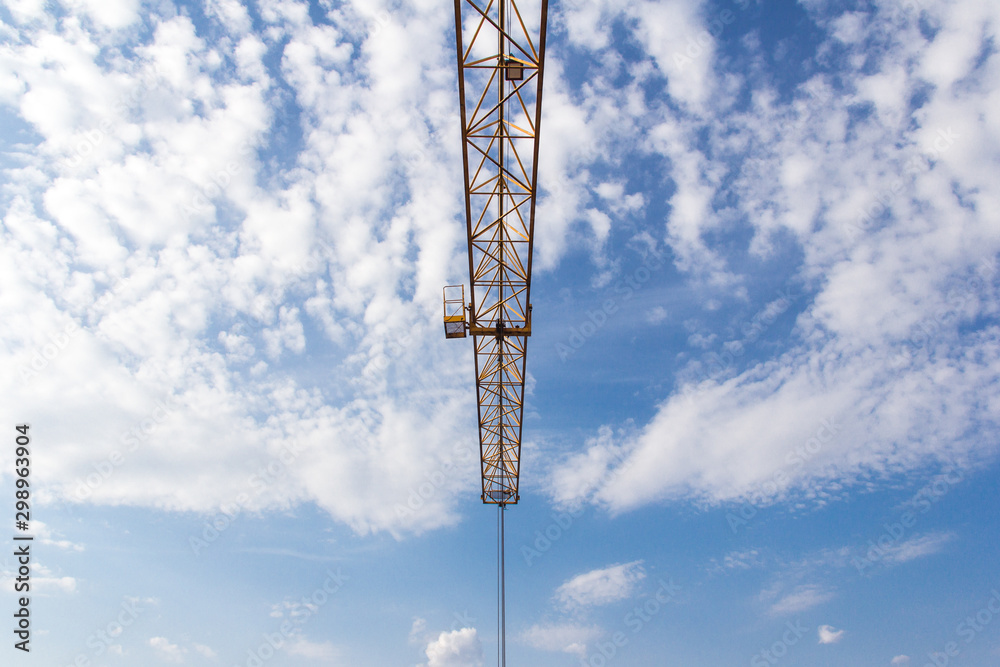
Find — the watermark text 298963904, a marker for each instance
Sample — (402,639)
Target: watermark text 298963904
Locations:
(22,543)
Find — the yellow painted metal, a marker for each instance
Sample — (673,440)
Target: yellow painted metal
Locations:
(455,325)
(501,55)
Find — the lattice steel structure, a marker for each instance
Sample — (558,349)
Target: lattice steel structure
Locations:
(500,66)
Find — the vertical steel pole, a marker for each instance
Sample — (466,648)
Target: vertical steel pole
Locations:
(503,596)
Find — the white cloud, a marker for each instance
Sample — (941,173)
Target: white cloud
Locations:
(230,12)
(149,170)
(745,559)
(322,651)
(26,10)
(601,586)
(702,341)
(893,217)
(44,534)
(917,547)
(682,46)
(829,635)
(901,660)
(43,578)
(297,611)
(288,334)
(656,314)
(235,240)
(170,169)
(206,651)
(566,637)
(849,27)
(166,651)
(801,598)
(586,24)
(458,648)
(113,14)
(417,630)
(587,471)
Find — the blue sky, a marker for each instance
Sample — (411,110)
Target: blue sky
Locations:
(761,416)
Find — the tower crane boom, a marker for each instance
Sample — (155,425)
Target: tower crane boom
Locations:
(501,55)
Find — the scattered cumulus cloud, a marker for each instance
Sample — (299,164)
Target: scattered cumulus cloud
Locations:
(187,253)
(566,637)
(185,260)
(166,651)
(601,586)
(885,287)
(829,635)
(294,610)
(457,648)
(43,578)
(744,559)
(701,340)
(46,535)
(656,314)
(184,263)
(321,651)
(206,651)
(417,630)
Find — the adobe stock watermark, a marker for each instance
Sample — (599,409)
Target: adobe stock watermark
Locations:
(546,537)
(634,620)
(884,545)
(795,459)
(462,620)
(696,46)
(40,358)
(916,165)
(968,629)
(289,629)
(792,635)
(625,290)
(107,636)
(93,138)
(381,20)
(130,440)
(113,291)
(417,498)
(911,7)
(823,98)
(443,124)
(263,305)
(552,533)
(201,202)
(713,365)
(397,345)
(932,326)
(229,512)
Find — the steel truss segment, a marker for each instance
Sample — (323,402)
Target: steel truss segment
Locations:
(487,17)
(500,390)
(489,277)
(480,187)
(501,67)
(515,92)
